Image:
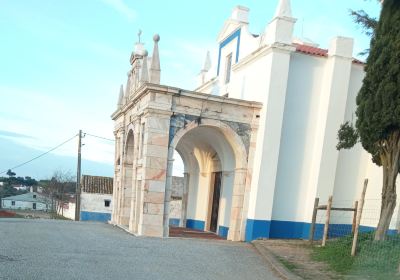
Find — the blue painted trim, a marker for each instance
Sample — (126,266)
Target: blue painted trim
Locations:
(229,39)
(294,230)
(174,222)
(257,229)
(195,224)
(95,216)
(223,231)
(298,230)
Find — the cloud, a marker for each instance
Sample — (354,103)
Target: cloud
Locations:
(5,133)
(121,8)
(49,120)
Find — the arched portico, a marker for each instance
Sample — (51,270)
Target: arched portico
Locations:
(215,161)
(214,137)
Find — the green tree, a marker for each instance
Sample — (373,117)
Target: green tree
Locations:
(10,173)
(378,109)
(367,22)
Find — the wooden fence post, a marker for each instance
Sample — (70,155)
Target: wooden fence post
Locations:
(359,213)
(328,217)
(353,226)
(314,219)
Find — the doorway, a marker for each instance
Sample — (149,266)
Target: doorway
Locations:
(215,201)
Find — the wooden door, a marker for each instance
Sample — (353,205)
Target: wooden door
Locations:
(215,201)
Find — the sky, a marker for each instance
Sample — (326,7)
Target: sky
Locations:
(62,63)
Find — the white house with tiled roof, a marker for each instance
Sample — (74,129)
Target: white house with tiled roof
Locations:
(96,198)
(257,136)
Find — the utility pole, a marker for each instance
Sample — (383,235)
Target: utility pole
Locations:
(78,180)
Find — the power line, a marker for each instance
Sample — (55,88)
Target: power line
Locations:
(100,137)
(39,156)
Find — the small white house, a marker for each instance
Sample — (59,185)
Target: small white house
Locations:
(26,201)
(96,198)
(66,209)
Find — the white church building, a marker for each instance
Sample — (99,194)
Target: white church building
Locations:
(257,136)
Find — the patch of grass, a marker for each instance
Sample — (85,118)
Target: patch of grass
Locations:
(288,264)
(374,260)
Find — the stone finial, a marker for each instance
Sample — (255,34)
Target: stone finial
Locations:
(206,68)
(207,62)
(241,14)
(121,97)
(280,29)
(155,69)
(144,75)
(284,9)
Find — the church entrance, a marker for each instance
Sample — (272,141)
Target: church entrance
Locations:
(215,201)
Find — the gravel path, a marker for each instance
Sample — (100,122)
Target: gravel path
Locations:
(52,249)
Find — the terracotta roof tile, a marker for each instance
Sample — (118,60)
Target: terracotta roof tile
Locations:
(97,184)
(310,50)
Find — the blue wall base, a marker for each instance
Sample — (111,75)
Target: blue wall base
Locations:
(195,224)
(297,230)
(257,229)
(95,216)
(223,231)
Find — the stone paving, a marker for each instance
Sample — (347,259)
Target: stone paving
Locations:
(53,249)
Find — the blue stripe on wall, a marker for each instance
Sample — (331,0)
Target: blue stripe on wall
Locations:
(257,229)
(294,230)
(223,231)
(297,230)
(174,222)
(95,216)
(195,224)
(229,39)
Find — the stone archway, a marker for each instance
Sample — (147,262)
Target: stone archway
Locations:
(127,183)
(163,118)
(208,149)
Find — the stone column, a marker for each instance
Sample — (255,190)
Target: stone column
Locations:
(121,182)
(132,215)
(186,178)
(251,154)
(137,183)
(239,186)
(168,191)
(117,170)
(155,153)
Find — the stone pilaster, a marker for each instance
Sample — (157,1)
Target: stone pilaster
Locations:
(331,113)
(155,153)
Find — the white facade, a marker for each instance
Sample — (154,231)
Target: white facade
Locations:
(66,210)
(95,206)
(307,92)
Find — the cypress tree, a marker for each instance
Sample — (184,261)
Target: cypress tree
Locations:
(378,109)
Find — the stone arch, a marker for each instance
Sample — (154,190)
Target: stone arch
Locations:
(127,173)
(226,147)
(129,146)
(231,136)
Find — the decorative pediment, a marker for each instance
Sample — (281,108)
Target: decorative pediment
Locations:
(230,25)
